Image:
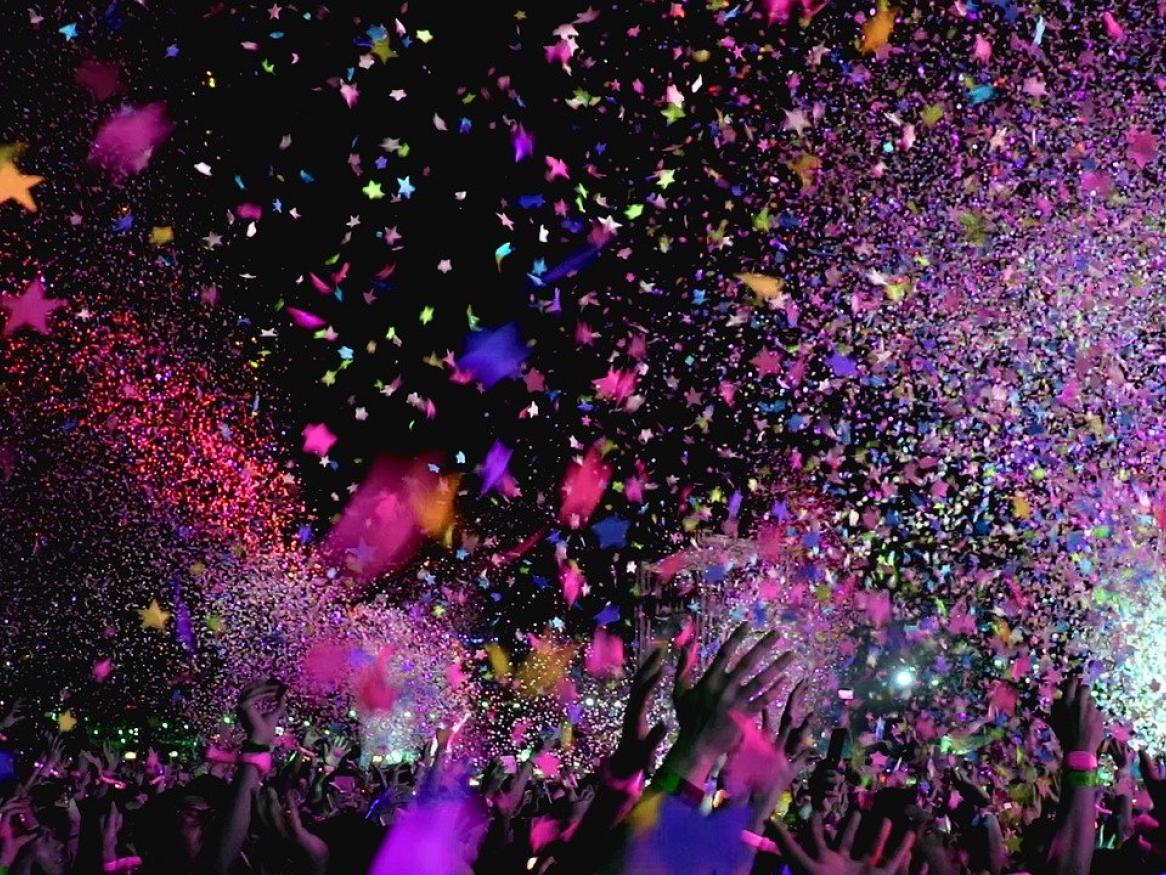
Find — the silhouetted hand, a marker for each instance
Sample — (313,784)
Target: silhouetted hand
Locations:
(834,858)
(706,709)
(637,741)
(261,708)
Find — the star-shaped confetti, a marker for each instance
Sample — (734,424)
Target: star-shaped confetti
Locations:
(153,616)
(16,186)
(31,310)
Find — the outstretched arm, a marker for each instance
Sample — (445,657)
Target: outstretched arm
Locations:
(1078,725)
(260,727)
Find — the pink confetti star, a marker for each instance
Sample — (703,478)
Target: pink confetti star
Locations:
(318,439)
(30,310)
(556,167)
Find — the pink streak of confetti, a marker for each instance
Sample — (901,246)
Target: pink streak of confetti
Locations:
(325,665)
(548,763)
(583,487)
(304,319)
(125,142)
(381,525)
(616,385)
(1113,27)
(572,581)
(605,657)
(375,691)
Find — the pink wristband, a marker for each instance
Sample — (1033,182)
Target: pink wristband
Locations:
(630,786)
(759,842)
(1081,761)
(261,761)
(121,864)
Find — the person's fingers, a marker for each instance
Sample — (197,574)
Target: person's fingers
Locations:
(1070,692)
(654,737)
(764,679)
(654,661)
(751,661)
(768,677)
(791,849)
(720,662)
(880,845)
(791,702)
(902,854)
(280,704)
(765,698)
(849,831)
(818,833)
(645,681)
(800,735)
(1149,766)
(685,665)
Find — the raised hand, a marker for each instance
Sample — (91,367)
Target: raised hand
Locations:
(261,708)
(637,741)
(828,780)
(793,747)
(314,848)
(16,712)
(1076,720)
(1154,777)
(708,710)
(13,837)
(281,812)
(110,823)
(835,858)
(1079,727)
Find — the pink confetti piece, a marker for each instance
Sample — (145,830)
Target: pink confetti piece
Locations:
(304,319)
(572,582)
(125,142)
(583,486)
(604,657)
(102,669)
(318,439)
(616,385)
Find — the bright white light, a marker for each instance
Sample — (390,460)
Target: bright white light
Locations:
(904,678)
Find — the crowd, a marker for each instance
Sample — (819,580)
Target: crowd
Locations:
(742,788)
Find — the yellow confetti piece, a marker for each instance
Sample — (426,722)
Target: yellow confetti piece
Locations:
(763,285)
(805,166)
(153,617)
(499,660)
(66,722)
(161,234)
(1020,506)
(876,32)
(433,507)
(542,671)
(382,50)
